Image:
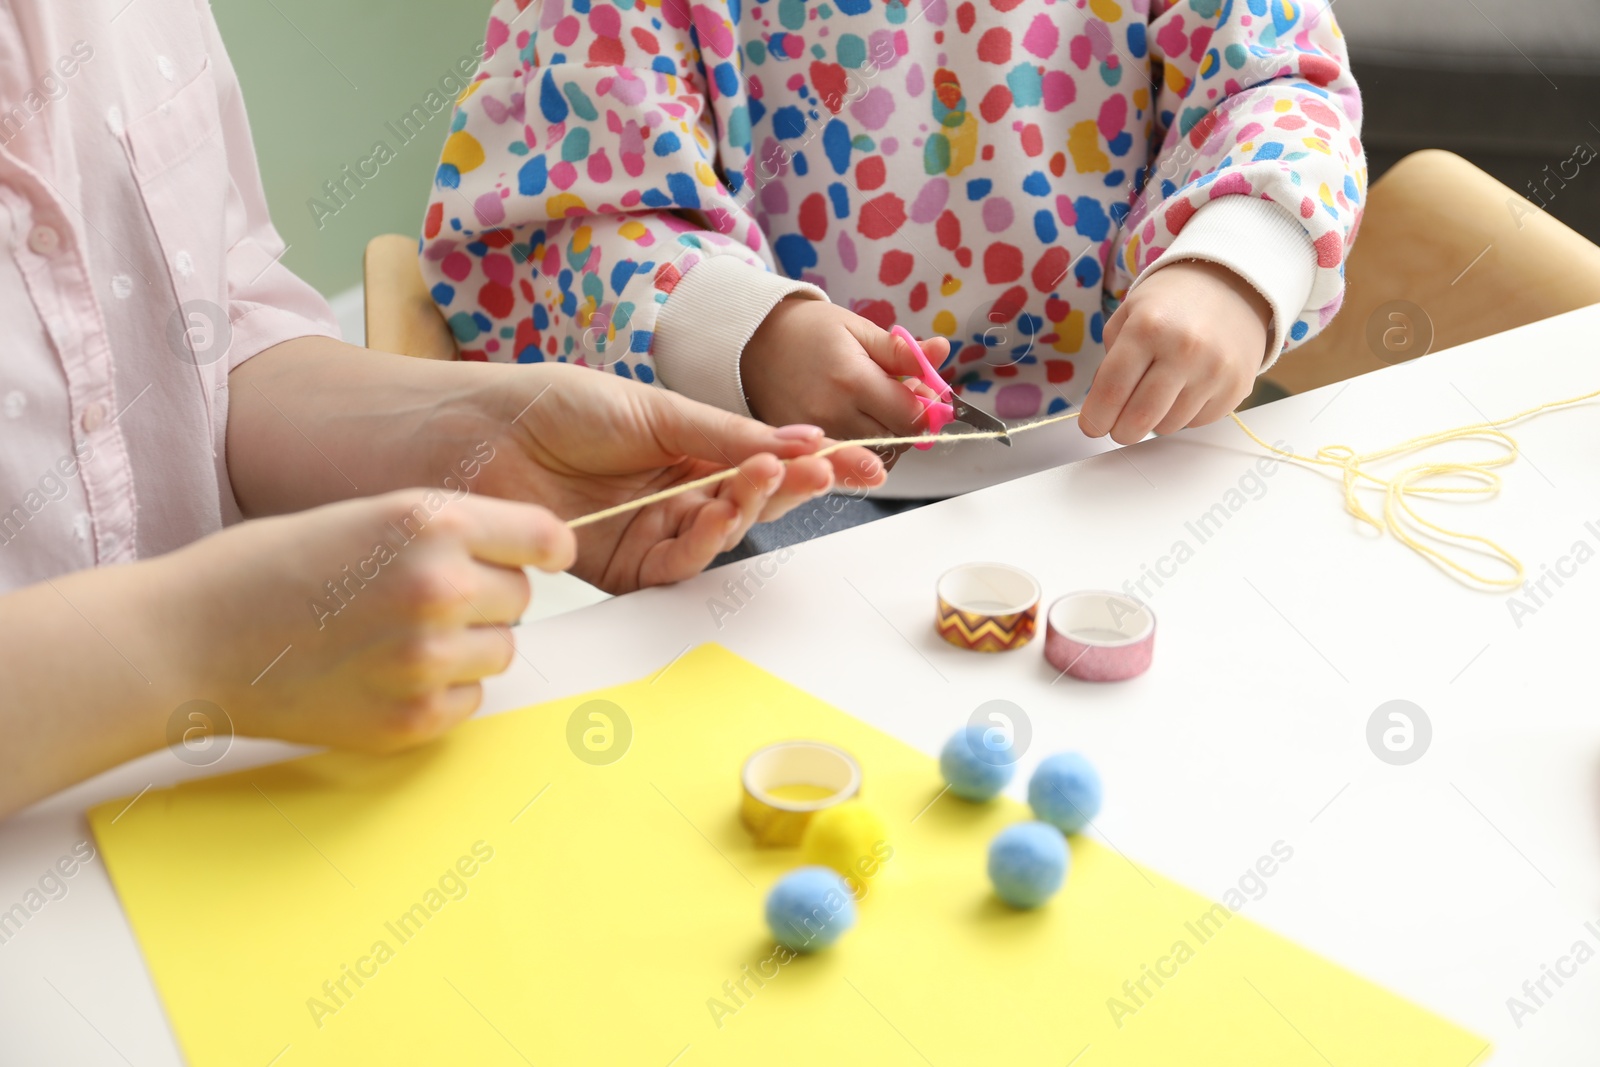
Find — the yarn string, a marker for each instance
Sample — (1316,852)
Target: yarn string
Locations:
(1450,549)
(862,442)
(1400,517)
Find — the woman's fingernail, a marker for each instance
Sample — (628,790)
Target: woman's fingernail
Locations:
(798,432)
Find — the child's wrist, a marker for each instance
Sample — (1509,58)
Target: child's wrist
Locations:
(767,339)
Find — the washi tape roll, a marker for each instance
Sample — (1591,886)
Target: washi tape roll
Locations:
(787,783)
(1099,636)
(987,607)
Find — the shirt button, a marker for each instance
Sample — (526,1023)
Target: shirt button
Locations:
(44,240)
(93,416)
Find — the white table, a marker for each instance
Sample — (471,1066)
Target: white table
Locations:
(1450,880)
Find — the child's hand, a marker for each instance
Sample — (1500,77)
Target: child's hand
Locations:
(365,624)
(1183,350)
(815,362)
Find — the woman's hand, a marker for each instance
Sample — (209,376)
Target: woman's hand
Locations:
(369,623)
(576,441)
(314,420)
(365,624)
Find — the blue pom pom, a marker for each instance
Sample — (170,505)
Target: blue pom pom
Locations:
(1027,863)
(809,909)
(1065,792)
(977,761)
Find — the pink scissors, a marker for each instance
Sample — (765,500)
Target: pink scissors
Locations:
(952,408)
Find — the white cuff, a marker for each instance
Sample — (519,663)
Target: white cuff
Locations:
(1259,241)
(704,325)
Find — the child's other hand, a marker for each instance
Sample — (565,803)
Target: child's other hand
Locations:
(815,362)
(365,624)
(1183,350)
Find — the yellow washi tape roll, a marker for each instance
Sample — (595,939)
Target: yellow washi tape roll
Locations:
(787,783)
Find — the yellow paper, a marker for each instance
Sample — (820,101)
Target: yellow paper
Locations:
(494,899)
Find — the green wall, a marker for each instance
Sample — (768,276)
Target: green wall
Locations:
(322,78)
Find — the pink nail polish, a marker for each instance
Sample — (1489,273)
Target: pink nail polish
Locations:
(798,432)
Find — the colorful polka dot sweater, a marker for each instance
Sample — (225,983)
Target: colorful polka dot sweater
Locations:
(633,184)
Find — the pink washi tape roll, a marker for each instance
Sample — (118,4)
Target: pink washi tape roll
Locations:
(1099,636)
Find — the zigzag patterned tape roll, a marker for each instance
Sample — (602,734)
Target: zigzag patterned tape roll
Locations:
(987,607)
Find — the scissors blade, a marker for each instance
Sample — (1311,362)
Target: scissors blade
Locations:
(980,420)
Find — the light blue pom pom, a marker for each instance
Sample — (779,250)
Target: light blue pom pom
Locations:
(977,761)
(1065,792)
(1027,863)
(809,909)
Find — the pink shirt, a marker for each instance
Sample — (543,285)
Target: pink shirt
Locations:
(137,268)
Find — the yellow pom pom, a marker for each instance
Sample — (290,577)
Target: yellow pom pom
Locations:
(849,838)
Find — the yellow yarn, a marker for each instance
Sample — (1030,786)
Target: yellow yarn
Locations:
(1399,515)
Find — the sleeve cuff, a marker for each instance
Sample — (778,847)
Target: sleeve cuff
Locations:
(1263,244)
(704,325)
(268,303)
(261,327)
